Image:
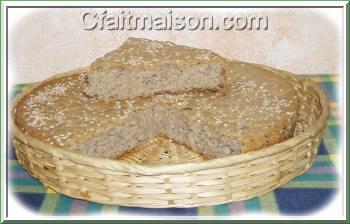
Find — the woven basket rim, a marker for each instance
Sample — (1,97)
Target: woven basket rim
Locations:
(139,169)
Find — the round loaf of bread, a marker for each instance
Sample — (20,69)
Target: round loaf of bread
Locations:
(254,108)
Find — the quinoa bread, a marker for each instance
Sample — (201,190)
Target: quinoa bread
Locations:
(141,68)
(253,108)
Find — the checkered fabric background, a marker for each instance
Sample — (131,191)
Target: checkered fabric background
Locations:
(305,194)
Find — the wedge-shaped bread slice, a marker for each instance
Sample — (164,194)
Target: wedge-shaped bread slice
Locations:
(141,68)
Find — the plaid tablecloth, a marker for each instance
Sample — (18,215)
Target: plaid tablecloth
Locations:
(303,195)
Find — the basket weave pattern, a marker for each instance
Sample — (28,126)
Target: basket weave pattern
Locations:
(161,174)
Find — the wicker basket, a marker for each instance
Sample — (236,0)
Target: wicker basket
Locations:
(167,176)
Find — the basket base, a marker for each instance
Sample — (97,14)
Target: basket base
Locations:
(161,150)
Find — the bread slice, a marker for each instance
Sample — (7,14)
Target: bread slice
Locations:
(141,68)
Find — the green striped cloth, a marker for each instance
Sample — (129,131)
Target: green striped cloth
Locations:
(303,195)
